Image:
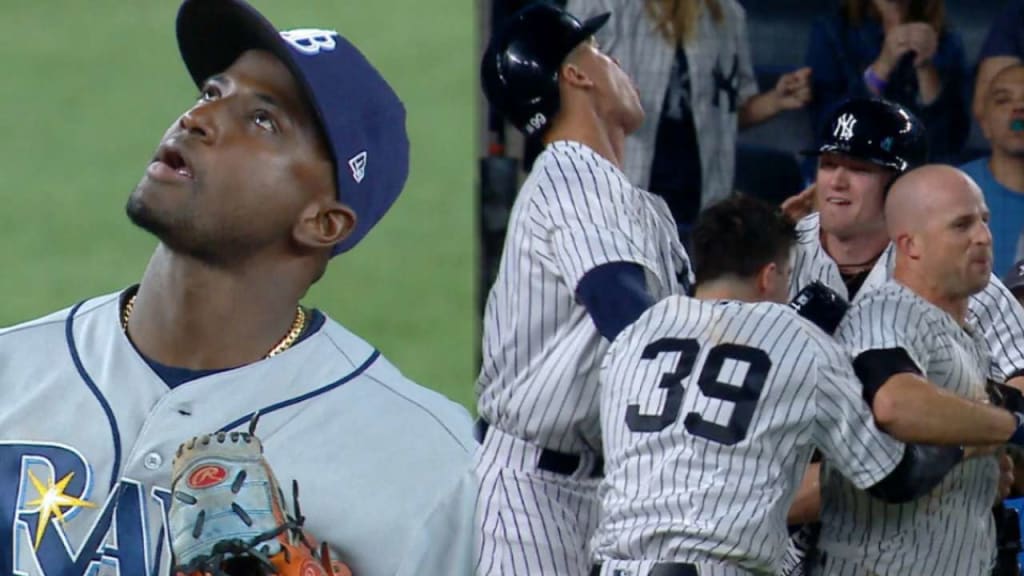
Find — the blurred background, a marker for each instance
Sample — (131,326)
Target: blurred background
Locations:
(88,89)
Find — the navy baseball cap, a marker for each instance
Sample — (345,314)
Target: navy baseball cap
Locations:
(361,117)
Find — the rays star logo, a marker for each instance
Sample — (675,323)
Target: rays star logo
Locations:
(52,503)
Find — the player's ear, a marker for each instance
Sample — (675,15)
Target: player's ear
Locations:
(323,224)
(909,245)
(767,280)
(572,72)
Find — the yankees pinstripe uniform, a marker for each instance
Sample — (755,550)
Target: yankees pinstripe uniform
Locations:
(711,411)
(538,386)
(994,310)
(949,531)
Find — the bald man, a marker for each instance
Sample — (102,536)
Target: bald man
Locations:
(924,365)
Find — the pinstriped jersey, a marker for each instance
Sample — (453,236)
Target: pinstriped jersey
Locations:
(950,530)
(994,310)
(711,411)
(541,351)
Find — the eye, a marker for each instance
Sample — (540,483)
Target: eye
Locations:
(209,93)
(264,120)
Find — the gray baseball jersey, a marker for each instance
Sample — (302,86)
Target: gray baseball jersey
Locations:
(541,351)
(89,433)
(994,310)
(950,530)
(711,411)
(721,77)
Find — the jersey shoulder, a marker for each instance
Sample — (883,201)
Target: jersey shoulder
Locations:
(424,416)
(53,325)
(807,230)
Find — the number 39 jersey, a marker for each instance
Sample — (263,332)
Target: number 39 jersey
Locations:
(710,412)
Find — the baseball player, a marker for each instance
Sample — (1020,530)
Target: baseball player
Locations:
(845,245)
(711,408)
(586,254)
(909,339)
(294,149)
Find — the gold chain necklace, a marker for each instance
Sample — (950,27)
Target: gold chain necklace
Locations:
(285,343)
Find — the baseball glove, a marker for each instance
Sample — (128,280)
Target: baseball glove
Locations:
(228,514)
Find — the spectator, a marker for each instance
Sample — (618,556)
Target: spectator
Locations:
(691,63)
(1004,46)
(1001,175)
(900,50)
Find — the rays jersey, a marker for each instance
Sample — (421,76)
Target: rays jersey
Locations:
(994,310)
(711,411)
(88,433)
(950,530)
(541,351)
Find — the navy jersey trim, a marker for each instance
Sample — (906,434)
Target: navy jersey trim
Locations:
(286,403)
(69,326)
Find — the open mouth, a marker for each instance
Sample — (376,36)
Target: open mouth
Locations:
(837,201)
(174,160)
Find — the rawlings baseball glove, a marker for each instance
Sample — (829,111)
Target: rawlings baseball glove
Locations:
(228,515)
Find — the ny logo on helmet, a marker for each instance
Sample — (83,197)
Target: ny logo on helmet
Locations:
(311,41)
(844,127)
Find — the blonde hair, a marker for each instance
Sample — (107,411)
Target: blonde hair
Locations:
(676,20)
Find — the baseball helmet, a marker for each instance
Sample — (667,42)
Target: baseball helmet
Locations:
(520,67)
(881,132)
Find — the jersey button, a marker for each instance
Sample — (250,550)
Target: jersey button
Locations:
(152,461)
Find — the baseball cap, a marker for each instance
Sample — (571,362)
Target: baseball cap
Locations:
(361,117)
(1014,280)
(878,131)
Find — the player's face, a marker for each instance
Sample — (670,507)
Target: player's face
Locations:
(233,172)
(1003,117)
(956,242)
(850,195)
(616,96)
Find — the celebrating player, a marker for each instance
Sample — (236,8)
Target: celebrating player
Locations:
(845,244)
(294,149)
(711,407)
(586,254)
(909,339)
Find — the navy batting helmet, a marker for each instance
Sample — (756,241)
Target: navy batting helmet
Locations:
(520,66)
(881,132)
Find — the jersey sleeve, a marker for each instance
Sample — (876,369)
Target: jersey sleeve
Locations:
(592,220)
(844,427)
(1001,319)
(886,321)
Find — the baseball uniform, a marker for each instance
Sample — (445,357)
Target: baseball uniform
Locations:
(89,432)
(949,531)
(711,411)
(538,386)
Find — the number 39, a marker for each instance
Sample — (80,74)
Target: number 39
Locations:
(744,397)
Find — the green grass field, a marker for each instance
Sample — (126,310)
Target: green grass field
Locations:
(89,87)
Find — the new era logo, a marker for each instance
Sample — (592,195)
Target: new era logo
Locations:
(311,41)
(844,127)
(357,164)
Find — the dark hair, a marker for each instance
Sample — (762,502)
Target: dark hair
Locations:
(738,237)
(928,11)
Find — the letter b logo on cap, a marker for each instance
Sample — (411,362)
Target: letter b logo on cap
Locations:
(311,41)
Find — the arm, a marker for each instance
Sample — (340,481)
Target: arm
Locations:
(913,410)
(791,92)
(806,506)
(615,295)
(919,471)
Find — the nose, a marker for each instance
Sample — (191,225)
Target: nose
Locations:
(199,121)
(982,234)
(840,177)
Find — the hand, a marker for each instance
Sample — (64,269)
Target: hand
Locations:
(1005,477)
(896,44)
(923,41)
(800,205)
(793,90)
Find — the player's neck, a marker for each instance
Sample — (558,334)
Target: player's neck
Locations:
(607,141)
(190,315)
(931,292)
(1008,170)
(727,289)
(855,251)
